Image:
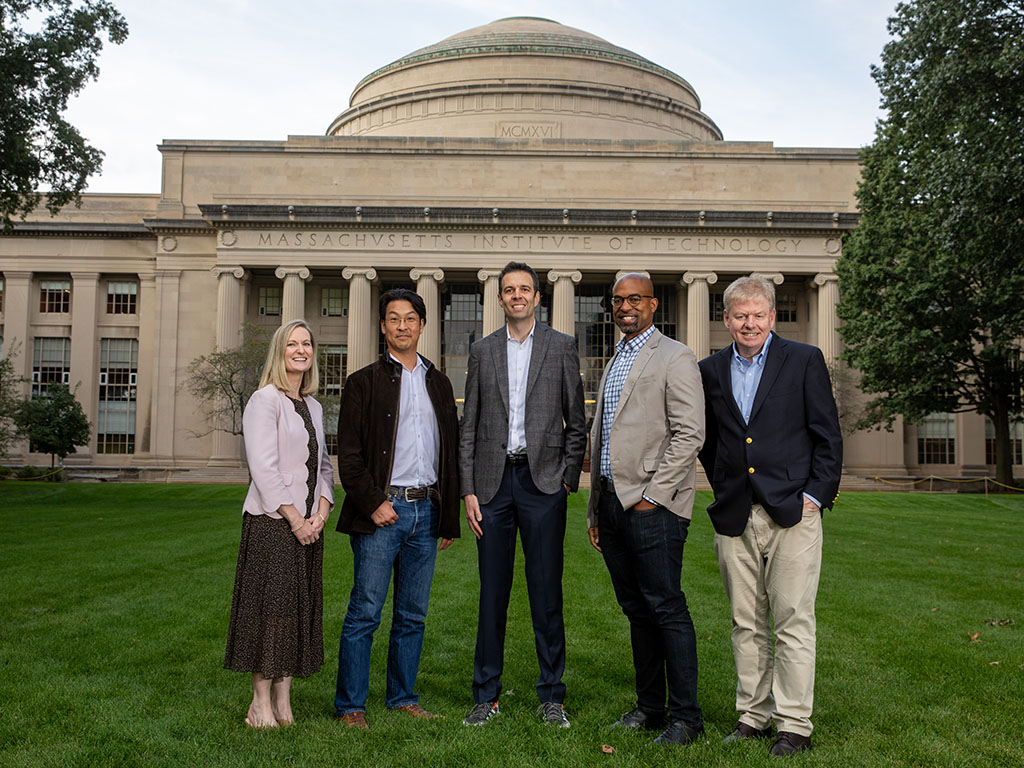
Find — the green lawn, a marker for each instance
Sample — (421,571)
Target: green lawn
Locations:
(115,608)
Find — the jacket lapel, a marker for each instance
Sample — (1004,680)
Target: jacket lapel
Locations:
(541,338)
(772,366)
(642,358)
(723,367)
(499,351)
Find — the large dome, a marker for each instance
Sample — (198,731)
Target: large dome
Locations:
(525,78)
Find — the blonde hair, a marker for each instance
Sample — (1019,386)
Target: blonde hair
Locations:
(274,369)
(747,289)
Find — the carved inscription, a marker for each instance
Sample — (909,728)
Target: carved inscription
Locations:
(300,240)
(528,130)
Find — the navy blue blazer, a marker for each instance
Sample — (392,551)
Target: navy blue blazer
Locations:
(792,443)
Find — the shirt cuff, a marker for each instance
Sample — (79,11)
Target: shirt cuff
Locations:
(807,495)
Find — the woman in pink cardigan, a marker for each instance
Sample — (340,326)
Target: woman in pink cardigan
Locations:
(276,627)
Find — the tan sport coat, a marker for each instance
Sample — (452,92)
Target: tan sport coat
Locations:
(657,431)
(276,446)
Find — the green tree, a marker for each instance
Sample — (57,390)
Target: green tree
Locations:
(10,397)
(39,72)
(54,423)
(932,281)
(223,380)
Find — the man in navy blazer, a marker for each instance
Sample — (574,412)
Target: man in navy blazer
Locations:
(773,456)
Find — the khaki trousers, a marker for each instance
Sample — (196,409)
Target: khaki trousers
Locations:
(772,572)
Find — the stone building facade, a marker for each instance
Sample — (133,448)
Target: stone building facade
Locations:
(522,139)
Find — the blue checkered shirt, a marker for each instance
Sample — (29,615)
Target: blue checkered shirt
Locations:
(621,365)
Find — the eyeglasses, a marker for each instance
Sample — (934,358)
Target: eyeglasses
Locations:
(633,299)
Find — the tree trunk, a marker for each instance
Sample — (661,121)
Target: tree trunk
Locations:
(1004,453)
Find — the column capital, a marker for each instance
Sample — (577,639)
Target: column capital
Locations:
(774,277)
(10,274)
(368,272)
(301,272)
(85,276)
(554,275)
(484,274)
(220,269)
(434,272)
(689,277)
(825,277)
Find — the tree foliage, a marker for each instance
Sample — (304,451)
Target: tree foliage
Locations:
(223,380)
(932,281)
(39,72)
(54,423)
(10,397)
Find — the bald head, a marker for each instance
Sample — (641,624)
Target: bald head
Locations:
(633,304)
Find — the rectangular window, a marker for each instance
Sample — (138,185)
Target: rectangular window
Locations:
(665,315)
(936,439)
(716,305)
(333,362)
(462,324)
(121,297)
(54,295)
(1016,442)
(51,363)
(115,419)
(334,302)
(270,301)
(785,307)
(595,339)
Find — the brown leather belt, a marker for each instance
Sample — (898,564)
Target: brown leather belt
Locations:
(409,493)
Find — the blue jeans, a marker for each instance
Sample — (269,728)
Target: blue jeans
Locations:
(644,554)
(408,548)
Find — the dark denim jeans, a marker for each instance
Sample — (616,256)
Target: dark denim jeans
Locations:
(644,554)
(408,548)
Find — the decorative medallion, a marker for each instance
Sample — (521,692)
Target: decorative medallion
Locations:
(168,243)
(228,238)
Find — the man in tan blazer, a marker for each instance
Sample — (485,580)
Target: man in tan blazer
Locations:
(647,431)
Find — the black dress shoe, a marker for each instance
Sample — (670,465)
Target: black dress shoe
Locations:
(742,731)
(637,718)
(790,743)
(679,733)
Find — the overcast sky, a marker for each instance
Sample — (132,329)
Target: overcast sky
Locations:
(794,72)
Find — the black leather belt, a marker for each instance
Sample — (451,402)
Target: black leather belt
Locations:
(413,494)
(516,458)
(607,485)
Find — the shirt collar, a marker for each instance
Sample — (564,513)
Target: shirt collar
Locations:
(759,358)
(419,362)
(508,334)
(636,342)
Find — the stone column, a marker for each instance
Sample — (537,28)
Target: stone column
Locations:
(812,313)
(293,295)
(147,348)
(17,300)
(227,448)
(84,371)
(427,280)
(563,303)
(681,291)
(494,318)
(165,366)
(698,311)
(828,297)
(361,317)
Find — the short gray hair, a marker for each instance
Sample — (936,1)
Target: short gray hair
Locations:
(748,288)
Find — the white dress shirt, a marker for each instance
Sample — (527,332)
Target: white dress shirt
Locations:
(418,441)
(519,353)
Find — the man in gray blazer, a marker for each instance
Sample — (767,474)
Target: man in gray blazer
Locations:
(520,454)
(648,428)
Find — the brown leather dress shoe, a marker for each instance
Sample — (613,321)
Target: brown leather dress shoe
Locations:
(789,743)
(415,710)
(354,720)
(742,732)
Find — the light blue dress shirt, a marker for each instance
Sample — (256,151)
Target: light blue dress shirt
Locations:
(418,441)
